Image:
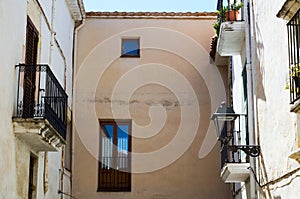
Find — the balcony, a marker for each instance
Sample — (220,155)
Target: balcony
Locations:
(41,108)
(293,29)
(231,38)
(235,149)
(235,163)
(294,86)
(234,166)
(230,29)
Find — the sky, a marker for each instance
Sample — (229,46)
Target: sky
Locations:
(151,5)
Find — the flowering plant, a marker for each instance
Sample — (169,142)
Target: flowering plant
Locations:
(295,70)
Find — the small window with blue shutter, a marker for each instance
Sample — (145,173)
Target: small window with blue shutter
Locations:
(130,47)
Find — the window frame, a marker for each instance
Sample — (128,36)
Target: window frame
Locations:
(126,55)
(293,32)
(32,176)
(101,187)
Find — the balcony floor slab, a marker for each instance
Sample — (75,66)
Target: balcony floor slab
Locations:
(38,133)
(235,172)
(231,38)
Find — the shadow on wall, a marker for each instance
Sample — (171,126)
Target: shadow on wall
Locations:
(259,56)
(277,197)
(264,177)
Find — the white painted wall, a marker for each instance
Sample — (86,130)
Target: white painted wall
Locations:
(45,44)
(275,125)
(14,154)
(11,39)
(47,7)
(64,26)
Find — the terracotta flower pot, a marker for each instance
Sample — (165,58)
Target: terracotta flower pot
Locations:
(231,15)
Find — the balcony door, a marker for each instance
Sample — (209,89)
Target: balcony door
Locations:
(115,159)
(30,72)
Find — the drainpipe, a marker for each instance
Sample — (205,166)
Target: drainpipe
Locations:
(78,26)
(76,29)
(52,31)
(250,93)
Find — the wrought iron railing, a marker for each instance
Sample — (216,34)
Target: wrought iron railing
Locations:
(40,95)
(293,28)
(228,12)
(234,135)
(115,173)
(121,163)
(230,154)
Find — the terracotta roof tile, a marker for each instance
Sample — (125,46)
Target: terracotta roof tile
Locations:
(152,14)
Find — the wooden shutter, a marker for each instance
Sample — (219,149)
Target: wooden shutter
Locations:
(30,70)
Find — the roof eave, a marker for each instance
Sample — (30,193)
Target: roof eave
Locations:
(77,9)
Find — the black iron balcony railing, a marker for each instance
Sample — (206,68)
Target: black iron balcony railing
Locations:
(230,152)
(228,12)
(293,27)
(115,173)
(39,95)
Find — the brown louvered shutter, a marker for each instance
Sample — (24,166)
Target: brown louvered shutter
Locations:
(30,70)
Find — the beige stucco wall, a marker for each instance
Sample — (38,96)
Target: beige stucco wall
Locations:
(276,126)
(166,94)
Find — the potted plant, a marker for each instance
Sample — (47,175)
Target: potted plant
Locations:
(221,18)
(295,74)
(216,26)
(232,13)
(227,15)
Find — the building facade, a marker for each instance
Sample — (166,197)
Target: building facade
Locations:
(260,50)
(142,107)
(36,85)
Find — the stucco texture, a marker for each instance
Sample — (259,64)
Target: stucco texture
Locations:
(166,94)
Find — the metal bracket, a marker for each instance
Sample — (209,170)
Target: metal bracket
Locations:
(251,150)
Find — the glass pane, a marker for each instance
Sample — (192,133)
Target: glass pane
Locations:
(122,148)
(130,47)
(107,146)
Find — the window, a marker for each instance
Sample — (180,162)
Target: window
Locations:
(293,28)
(114,155)
(130,48)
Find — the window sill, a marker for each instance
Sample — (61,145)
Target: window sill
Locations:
(288,10)
(295,155)
(295,107)
(130,56)
(113,190)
